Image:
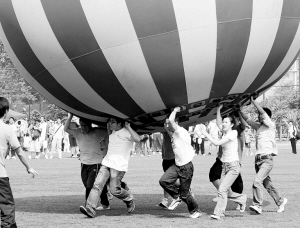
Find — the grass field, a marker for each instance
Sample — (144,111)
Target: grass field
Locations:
(53,198)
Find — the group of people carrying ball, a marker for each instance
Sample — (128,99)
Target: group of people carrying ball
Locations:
(105,154)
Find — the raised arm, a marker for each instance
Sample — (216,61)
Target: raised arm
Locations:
(243,122)
(216,142)
(172,118)
(134,135)
(258,107)
(219,117)
(67,123)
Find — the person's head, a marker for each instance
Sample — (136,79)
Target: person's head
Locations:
(19,122)
(58,121)
(42,119)
(168,125)
(228,123)
(116,123)
(11,120)
(269,113)
(85,124)
(291,123)
(4,106)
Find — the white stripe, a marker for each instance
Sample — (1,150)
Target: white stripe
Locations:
(289,57)
(264,26)
(46,47)
(122,50)
(24,73)
(197,25)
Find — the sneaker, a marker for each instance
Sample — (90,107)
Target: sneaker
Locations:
(242,207)
(218,217)
(130,206)
(281,207)
(174,204)
(29,157)
(163,204)
(256,209)
(215,199)
(238,207)
(209,153)
(90,211)
(13,157)
(102,207)
(196,214)
(83,210)
(46,157)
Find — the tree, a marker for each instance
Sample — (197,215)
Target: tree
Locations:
(12,85)
(55,112)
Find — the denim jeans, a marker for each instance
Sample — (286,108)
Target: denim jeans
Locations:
(230,172)
(263,167)
(185,175)
(115,178)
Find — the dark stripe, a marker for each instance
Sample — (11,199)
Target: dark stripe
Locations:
(74,34)
(273,83)
(32,64)
(234,25)
(155,25)
(284,38)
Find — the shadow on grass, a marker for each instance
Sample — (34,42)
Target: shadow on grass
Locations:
(145,204)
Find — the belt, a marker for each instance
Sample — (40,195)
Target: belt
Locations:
(264,156)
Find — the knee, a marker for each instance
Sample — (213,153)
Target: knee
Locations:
(257,182)
(163,183)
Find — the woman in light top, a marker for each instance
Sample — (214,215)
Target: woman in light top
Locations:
(231,166)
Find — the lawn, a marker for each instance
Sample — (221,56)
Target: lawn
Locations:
(53,198)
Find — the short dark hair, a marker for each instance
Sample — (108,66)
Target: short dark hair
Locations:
(4,106)
(118,120)
(268,111)
(86,121)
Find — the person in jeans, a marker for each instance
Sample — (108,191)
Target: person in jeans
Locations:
(230,167)
(265,150)
(183,168)
(215,172)
(114,166)
(89,140)
(8,136)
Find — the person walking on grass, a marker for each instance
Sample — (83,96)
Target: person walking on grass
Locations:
(266,149)
(215,172)
(92,153)
(183,168)
(230,167)
(8,136)
(58,134)
(292,131)
(114,166)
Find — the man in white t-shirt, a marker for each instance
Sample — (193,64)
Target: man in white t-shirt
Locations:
(57,139)
(114,166)
(43,137)
(183,168)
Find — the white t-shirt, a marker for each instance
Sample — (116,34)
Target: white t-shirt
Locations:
(213,129)
(119,148)
(181,143)
(58,131)
(230,149)
(43,126)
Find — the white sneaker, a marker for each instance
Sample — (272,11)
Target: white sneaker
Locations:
(174,204)
(218,217)
(255,209)
(46,157)
(281,206)
(102,207)
(29,157)
(196,214)
(13,157)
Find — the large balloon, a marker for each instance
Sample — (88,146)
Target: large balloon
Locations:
(137,59)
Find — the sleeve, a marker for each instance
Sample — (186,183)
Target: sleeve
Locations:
(267,121)
(128,135)
(232,135)
(253,124)
(13,140)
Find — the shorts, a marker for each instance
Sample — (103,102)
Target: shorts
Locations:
(216,172)
(248,145)
(167,164)
(72,141)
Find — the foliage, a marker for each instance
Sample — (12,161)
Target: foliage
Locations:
(35,115)
(12,85)
(55,112)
